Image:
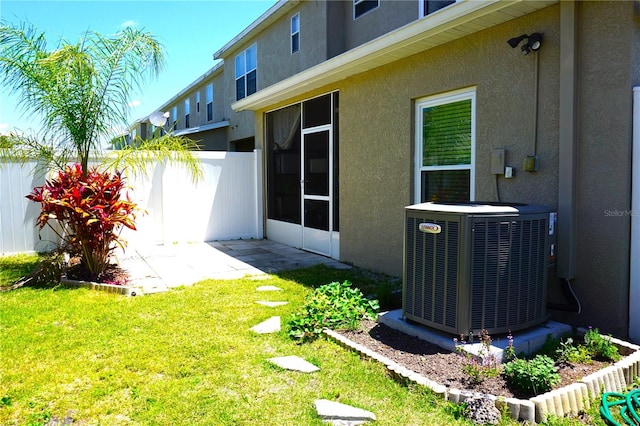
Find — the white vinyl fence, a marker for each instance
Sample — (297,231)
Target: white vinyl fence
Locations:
(18,232)
(225,204)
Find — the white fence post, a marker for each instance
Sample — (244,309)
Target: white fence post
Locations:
(257,157)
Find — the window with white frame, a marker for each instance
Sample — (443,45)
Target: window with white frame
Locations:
(187,110)
(429,6)
(209,102)
(295,33)
(174,117)
(360,7)
(246,72)
(197,102)
(445,147)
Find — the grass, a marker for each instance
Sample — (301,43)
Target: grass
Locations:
(14,267)
(182,357)
(185,357)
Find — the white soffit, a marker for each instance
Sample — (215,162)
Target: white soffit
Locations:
(204,127)
(457,21)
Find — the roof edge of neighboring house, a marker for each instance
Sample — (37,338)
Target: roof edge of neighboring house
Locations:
(392,46)
(217,68)
(202,128)
(264,20)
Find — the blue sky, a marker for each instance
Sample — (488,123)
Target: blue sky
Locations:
(191,31)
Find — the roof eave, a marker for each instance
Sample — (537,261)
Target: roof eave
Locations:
(408,40)
(203,128)
(264,20)
(216,69)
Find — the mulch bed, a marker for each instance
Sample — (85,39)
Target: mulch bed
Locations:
(442,366)
(113,274)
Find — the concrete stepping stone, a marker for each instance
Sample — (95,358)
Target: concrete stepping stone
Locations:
(272,325)
(268,288)
(271,304)
(259,277)
(340,414)
(294,363)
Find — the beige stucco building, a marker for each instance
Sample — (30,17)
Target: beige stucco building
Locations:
(336,95)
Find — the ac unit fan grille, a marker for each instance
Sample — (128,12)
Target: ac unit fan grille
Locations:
(432,279)
(506,273)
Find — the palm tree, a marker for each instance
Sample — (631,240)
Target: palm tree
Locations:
(82,92)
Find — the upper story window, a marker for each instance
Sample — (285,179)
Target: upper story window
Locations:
(246,72)
(197,102)
(174,117)
(209,102)
(430,6)
(445,147)
(360,7)
(187,110)
(295,33)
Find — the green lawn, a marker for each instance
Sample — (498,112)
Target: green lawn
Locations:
(14,267)
(185,357)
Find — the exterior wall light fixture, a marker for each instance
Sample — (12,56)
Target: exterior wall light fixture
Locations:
(533,42)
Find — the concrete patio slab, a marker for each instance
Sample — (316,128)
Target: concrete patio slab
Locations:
(157,268)
(527,341)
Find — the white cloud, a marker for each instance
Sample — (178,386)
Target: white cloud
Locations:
(3,128)
(134,103)
(129,23)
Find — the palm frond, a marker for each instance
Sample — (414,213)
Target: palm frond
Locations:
(137,157)
(81,90)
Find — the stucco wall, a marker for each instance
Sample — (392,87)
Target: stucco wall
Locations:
(377,141)
(198,118)
(385,18)
(212,140)
(377,131)
(275,60)
(604,161)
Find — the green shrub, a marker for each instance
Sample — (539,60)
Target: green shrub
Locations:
(532,377)
(600,346)
(90,210)
(567,352)
(549,347)
(335,306)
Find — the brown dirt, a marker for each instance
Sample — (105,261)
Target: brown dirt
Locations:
(113,274)
(442,366)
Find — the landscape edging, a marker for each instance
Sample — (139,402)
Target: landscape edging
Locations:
(568,400)
(110,288)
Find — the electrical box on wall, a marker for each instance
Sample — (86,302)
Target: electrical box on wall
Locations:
(497,161)
(508,172)
(530,164)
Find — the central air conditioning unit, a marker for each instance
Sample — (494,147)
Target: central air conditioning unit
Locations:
(474,266)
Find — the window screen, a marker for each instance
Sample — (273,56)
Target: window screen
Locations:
(445,146)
